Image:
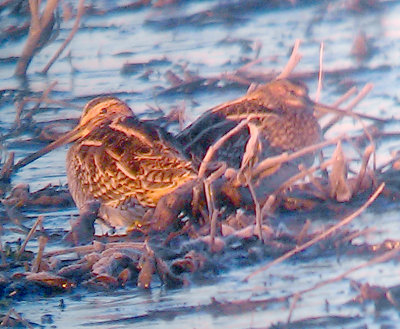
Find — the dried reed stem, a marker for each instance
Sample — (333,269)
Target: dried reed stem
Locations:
(345,97)
(36,32)
(213,213)
(21,319)
(29,236)
(361,95)
(41,99)
(319,88)
(81,10)
(285,157)
(257,208)
(213,230)
(347,111)
(7,168)
(380,259)
(365,159)
(303,174)
(96,246)
(292,307)
(38,260)
(2,254)
(233,77)
(52,101)
(294,59)
(213,148)
(6,318)
(320,237)
(248,65)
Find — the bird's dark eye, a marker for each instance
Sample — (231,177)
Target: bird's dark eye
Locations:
(103,110)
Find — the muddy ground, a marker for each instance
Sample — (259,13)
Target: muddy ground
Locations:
(190,56)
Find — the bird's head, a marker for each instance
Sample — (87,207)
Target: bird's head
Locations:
(284,94)
(95,113)
(103,108)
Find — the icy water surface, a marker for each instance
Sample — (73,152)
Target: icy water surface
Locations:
(207,39)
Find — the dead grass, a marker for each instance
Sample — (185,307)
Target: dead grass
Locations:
(139,258)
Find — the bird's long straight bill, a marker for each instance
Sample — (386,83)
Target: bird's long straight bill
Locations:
(331,109)
(65,139)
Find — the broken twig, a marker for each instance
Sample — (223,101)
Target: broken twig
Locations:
(81,10)
(320,237)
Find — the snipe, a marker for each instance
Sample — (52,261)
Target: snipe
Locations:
(125,164)
(284,120)
(284,115)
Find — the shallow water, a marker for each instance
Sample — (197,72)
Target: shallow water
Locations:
(179,36)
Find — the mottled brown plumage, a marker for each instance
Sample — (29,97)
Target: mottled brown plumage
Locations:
(125,164)
(284,122)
